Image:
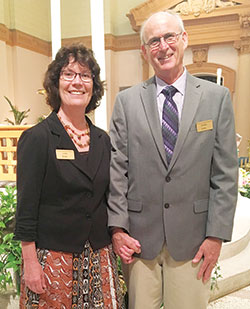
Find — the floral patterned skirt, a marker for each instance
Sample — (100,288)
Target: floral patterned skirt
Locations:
(82,281)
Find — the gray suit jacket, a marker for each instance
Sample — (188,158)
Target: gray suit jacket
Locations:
(192,198)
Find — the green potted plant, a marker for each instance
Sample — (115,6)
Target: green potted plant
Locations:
(10,250)
(18,116)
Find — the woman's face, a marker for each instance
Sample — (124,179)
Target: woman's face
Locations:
(75,89)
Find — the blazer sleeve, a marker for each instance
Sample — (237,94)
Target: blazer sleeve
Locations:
(117,202)
(224,175)
(32,152)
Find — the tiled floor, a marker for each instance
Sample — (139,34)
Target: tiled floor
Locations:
(237,300)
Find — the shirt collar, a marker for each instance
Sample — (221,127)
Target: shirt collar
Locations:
(179,84)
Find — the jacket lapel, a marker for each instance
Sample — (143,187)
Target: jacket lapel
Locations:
(148,97)
(190,105)
(95,150)
(63,141)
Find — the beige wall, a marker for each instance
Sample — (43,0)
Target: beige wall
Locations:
(24,71)
(33,17)
(220,54)
(120,20)
(6,86)
(75,18)
(29,16)
(2,12)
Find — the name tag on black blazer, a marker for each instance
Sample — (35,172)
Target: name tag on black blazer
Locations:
(65,154)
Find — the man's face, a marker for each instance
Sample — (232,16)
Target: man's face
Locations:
(166,59)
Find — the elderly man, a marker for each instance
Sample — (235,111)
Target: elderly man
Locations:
(173,175)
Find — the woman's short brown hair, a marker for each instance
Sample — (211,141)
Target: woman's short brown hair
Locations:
(82,55)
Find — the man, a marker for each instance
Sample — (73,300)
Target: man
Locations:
(173,175)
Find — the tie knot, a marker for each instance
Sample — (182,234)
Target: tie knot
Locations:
(169,91)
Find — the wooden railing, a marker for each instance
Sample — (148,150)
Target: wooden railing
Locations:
(9,136)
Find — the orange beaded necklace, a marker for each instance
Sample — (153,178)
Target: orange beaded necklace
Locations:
(76,138)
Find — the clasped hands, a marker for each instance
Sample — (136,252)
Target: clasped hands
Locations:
(124,245)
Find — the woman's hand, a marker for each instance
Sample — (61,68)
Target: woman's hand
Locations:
(124,245)
(33,272)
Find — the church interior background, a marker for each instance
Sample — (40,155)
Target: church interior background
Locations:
(219,37)
(219,50)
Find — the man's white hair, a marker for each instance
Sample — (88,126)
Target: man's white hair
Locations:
(161,13)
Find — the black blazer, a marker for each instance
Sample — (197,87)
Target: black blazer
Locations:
(62,203)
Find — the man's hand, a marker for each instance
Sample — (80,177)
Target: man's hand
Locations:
(124,245)
(210,251)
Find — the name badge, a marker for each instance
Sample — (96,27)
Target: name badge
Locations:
(204,125)
(65,154)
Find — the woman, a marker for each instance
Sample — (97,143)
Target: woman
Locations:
(62,183)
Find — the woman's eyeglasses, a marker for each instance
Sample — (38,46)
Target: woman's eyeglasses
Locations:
(69,76)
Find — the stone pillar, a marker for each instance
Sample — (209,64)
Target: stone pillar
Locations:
(242,109)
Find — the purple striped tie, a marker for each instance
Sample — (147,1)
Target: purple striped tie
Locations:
(170,121)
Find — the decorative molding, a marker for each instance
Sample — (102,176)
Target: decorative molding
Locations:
(4,33)
(19,38)
(24,40)
(244,20)
(208,18)
(115,43)
(196,7)
(125,42)
(30,42)
(228,74)
(242,46)
(200,55)
(141,12)
(86,40)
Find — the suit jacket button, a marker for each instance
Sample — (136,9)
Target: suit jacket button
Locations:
(166,205)
(88,194)
(168,179)
(88,216)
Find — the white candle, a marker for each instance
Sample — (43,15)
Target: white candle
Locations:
(219,71)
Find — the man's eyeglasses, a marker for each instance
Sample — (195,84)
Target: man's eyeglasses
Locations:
(169,38)
(69,76)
